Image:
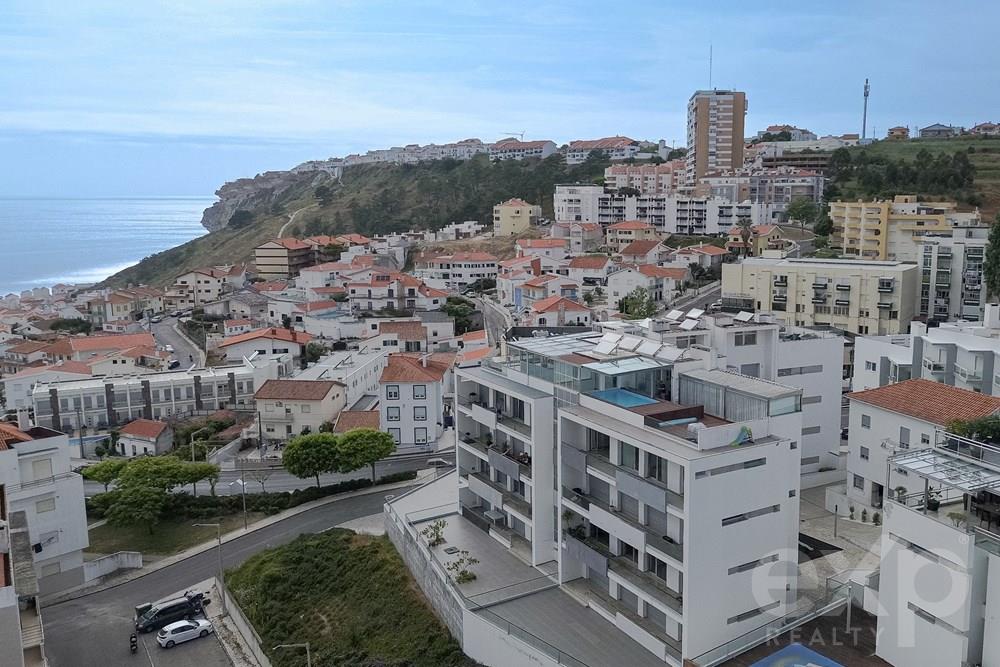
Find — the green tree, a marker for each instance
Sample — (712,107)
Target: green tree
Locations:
(313,352)
(824,225)
(192,473)
(137,505)
(323,194)
(363,446)
(638,304)
(157,472)
(311,455)
(991,264)
(74,325)
(240,219)
(746,233)
(803,210)
(104,472)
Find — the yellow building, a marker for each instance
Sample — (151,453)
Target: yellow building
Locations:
(862,297)
(891,230)
(514,216)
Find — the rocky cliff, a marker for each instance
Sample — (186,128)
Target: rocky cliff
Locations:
(263,193)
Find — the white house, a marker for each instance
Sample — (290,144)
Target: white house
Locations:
(17,388)
(661,282)
(293,407)
(590,269)
(411,402)
(556,311)
(145,437)
(269,342)
(549,247)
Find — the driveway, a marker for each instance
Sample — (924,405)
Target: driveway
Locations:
(93,630)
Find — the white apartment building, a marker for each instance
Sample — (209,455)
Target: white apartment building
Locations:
(411,400)
(665,178)
(895,418)
(951,283)
(653,460)
(36,472)
(580,236)
(288,408)
(778,187)
(357,370)
(455,272)
(17,388)
(616,148)
(512,149)
(961,354)
(939,557)
(201,286)
(668,213)
(106,402)
(267,342)
(861,297)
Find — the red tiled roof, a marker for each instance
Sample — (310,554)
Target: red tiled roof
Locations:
(77,367)
(237,323)
(289,243)
(542,243)
(27,347)
(606,142)
(654,271)
(295,390)
(704,249)
(589,262)
(271,333)
(477,354)
(403,368)
(9,434)
(474,335)
(553,303)
(310,306)
(539,281)
(929,401)
(271,286)
(406,330)
(631,224)
(144,428)
(641,247)
(352,419)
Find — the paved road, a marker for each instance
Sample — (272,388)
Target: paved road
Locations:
(165,334)
(280,480)
(702,301)
(93,630)
(494,320)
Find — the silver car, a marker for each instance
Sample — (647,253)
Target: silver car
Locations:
(182,631)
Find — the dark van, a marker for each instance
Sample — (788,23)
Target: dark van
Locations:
(153,616)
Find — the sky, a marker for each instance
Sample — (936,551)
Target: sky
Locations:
(175,97)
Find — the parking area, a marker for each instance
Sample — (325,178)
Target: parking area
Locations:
(207,652)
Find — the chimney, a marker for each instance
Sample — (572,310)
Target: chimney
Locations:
(423,360)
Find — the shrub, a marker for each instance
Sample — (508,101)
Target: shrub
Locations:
(877,519)
(864,516)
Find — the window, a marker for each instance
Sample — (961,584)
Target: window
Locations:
(925,439)
(392,392)
(810,430)
(870,366)
(419,413)
(420,435)
(721,470)
(394,432)
(392,414)
(656,468)
(799,370)
(809,400)
(420,391)
(866,421)
(904,437)
(41,469)
(627,550)
(742,339)
(47,505)
(859,482)
(753,564)
(629,456)
(746,516)
(657,567)
(306,409)
(864,453)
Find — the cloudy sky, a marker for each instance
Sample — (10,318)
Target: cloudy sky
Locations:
(173,97)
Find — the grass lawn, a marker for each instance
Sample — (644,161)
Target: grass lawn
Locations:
(350,596)
(168,537)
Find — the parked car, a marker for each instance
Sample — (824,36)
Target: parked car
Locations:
(169,348)
(182,631)
(176,313)
(156,319)
(715,306)
(438,463)
(150,616)
(173,364)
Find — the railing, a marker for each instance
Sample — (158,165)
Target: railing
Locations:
(967,374)
(548,649)
(43,481)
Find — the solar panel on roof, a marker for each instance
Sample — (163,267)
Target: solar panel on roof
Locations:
(669,353)
(612,338)
(649,348)
(689,324)
(695,313)
(743,316)
(604,347)
(629,343)
(675,314)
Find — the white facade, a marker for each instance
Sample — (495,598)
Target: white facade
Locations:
(412,412)
(952,274)
(357,370)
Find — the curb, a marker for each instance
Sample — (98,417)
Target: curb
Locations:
(201,353)
(85,590)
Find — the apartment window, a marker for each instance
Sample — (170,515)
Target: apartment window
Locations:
(925,439)
(629,456)
(810,430)
(864,453)
(419,413)
(809,400)
(656,468)
(392,392)
(745,338)
(746,516)
(721,470)
(904,437)
(657,567)
(41,469)
(628,551)
(46,505)
(799,370)
(859,482)
(870,366)
(420,435)
(419,391)
(754,564)
(392,414)
(394,432)
(747,615)
(866,421)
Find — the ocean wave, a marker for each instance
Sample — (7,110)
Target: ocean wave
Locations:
(89,275)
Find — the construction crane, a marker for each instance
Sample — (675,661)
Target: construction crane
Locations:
(519,135)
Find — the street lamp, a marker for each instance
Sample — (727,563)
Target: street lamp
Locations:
(243,486)
(222,579)
(304,644)
(203,428)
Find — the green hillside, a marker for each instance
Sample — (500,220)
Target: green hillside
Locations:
(372,199)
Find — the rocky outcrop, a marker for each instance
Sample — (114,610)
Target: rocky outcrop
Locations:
(260,193)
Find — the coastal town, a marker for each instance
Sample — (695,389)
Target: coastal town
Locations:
(695,412)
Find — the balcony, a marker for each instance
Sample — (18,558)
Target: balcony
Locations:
(819,298)
(843,287)
(781,281)
(779,298)
(510,463)
(842,302)
(882,305)
(480,444)
(607,516)
(968,374)
(516,424)
(646,581)
(933,366)
(819,285)
(885,286)
(509,500)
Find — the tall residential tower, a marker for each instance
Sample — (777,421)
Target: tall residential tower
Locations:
(715,132)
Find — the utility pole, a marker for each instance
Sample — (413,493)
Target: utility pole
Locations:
(222,572)
(864,116)
(710,66)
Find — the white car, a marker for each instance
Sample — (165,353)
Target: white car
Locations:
(182,631)
(169,348)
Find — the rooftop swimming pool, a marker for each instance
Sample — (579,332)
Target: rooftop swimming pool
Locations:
(622,397)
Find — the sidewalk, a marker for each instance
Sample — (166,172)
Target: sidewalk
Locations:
(117,580)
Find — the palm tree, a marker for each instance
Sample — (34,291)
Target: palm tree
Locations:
(746,233)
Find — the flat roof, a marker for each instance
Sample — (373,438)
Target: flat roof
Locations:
(743,383)
(480,374)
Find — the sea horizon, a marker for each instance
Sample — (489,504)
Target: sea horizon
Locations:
(88,239)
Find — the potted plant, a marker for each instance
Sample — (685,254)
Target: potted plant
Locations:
(933,500)
(851,515)
(864,515)
(900,493)
(958,518)
(877,519)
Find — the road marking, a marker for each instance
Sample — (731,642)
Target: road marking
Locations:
(148,656)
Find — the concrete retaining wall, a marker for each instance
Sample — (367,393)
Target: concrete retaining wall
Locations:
(102,567)
(430,577)
(243,626)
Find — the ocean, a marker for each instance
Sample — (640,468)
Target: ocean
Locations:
(49,241)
